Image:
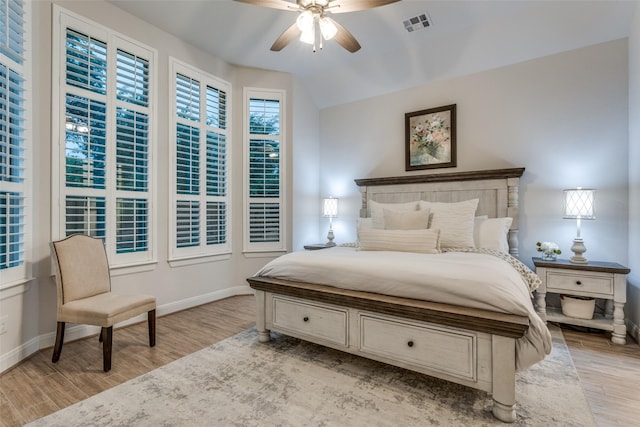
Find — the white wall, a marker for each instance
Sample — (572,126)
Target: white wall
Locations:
(31,309)
(306,168)
(632,309)
(563,117)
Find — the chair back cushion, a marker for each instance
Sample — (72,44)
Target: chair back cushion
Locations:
(83,267)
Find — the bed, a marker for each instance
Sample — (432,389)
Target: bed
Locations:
(467,339)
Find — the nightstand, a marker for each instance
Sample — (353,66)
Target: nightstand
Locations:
(606,280)
(317,246)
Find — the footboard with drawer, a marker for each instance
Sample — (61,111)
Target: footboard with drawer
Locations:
(472,347)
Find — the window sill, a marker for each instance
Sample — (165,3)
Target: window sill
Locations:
(266,254)
(121,270)
(12,289)
(199,259)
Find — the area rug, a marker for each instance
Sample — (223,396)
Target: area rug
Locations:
(288,382)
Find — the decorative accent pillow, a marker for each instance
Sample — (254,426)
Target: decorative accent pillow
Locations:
(365,223)
(421,241)
(417,220)
(492,233)
(377,210)
(455,221)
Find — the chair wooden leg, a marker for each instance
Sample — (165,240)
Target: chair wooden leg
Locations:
(57,348)
(151,315)
(107,337)
(100,338)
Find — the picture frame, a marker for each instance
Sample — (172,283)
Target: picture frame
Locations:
(430,138)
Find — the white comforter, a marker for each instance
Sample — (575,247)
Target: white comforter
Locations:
(474,280)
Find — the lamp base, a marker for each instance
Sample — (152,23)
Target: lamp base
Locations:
(578,249)
(330,238)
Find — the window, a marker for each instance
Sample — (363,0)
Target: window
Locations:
(15,143)
(201,152)
(264,156)
(103,86)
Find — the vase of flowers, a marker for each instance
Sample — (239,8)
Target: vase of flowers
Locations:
(550,250)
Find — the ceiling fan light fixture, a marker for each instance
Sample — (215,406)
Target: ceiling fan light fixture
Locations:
(305,21)
(308,37)
(311,11)
(327,28)
(307,3)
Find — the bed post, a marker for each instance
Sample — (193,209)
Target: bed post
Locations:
(503,368)
(363,208)
(264,335)
(513,209)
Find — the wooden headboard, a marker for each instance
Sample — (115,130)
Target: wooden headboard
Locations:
(497,190)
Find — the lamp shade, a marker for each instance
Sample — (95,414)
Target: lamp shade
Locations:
(305,21)
(579,203)
(327,28)
(330,207)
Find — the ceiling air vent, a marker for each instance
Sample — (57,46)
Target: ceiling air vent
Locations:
(417,22)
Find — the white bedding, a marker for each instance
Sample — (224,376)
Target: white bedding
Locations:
(475,280)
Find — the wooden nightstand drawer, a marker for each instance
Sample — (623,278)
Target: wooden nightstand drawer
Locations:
(583,282)
(318,321)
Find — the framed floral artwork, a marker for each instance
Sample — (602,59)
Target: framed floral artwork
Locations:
(430,138)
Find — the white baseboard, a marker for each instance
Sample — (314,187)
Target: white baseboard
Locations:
(19,353)
(75,332)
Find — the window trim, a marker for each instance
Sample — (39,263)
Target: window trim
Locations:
(263,248)
(62,18)
(22,274)
(203,252)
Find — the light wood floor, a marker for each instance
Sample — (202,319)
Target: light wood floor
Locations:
(610,374)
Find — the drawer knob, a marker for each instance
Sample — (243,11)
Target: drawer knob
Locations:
(578,282)
(305,318)
(410,343)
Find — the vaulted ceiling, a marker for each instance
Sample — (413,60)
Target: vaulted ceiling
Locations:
(465,36)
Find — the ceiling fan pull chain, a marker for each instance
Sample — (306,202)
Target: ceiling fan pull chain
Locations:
(315,35)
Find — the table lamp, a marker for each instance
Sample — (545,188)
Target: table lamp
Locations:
(579,205)
(330,210)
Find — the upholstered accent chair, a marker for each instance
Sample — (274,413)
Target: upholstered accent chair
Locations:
(84,293)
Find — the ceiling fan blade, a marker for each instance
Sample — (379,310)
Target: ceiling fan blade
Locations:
(344,38)
(343,6)
(274,4)
(289,34)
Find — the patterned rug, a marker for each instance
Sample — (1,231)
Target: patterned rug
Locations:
(288,382)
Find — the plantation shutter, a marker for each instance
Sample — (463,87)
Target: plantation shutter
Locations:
(132,153)
(12,141)
(12,30)
(201,152)
(265,202)
(106,164)
(85,135)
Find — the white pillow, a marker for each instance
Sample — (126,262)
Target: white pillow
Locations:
(492,233)
(406,220)
(455,221)
(421,241)
(476,228)
(365,223)
(377,210)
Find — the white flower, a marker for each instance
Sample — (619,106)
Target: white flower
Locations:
(548,247)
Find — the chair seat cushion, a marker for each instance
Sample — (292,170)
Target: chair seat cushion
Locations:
(106,309)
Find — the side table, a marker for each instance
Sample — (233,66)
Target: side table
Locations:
(606,280)
(317,246)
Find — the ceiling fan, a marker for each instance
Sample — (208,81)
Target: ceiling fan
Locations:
(313,14)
